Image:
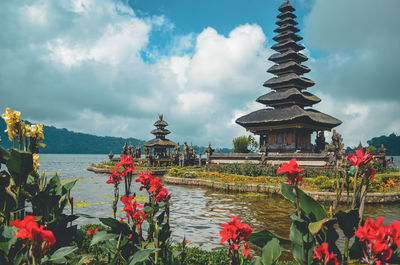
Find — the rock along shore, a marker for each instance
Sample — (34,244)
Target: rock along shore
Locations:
(374,197)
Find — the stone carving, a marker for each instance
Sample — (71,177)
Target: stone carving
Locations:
(125,149)
(138,151)
(320,142)
(110,155)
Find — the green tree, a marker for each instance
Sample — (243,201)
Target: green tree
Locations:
(244,144)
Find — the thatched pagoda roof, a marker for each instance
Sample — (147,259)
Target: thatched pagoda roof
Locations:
(288,115)
(287,81)
(292,94)
(286,20)
(286,27)
(287,35)
(288,67)
(288,56)
(160,131)
(157,142)
(286,15)
(286,7)
(288,44)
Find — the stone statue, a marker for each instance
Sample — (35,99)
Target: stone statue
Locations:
(125,149)
(147,152)
(185,150)
(320,142)
(130,149)
(337,147)
(192,152)
(110,155)
(138,151)
(382,149)
(176,153)
(209,151)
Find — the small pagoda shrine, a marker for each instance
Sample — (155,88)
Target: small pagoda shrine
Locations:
(160,144)
(286,124)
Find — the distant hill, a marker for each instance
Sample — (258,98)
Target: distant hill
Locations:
(63,141)
(391,143)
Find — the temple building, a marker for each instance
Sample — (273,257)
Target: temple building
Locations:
(159,145)
(287,123)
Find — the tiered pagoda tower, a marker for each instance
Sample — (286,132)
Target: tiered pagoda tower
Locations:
(287,125)
(160,144)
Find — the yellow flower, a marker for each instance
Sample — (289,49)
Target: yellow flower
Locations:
(36,131)
(12,120)
(36,163)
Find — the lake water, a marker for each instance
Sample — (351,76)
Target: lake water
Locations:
(196,213)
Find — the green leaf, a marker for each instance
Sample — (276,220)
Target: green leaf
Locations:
(302,243)
(142,255)
(257,261)
(68,186)
(263,237)
(348,222)
(101,236)
(4,155)
(8,232)
(271,252)
(115,225)
(59,255)
(147,209)
(315,227)
(19,164)
(311,208)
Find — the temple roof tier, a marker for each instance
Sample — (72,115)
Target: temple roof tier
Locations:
(290,96)
(157,142)
(285,28)
(160,123)
(286,45)
(288,81)
(286,15)
(287,20)
(288,56)
(288,67)
(160,131)
(286,7)
(288,116)
(287,36)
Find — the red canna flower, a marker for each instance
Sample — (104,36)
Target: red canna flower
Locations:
(145,179)
(91,231)
(379,239)
(41,240)
(155,185)
(361,158)
(246,250)
(292,171)
(131,209)
(324,256)
(372,173)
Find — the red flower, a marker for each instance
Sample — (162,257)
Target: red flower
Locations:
(36,235)
(246,250)
(162,194)
(322,254)
(131,209)
(292,171)
(155,185)
(378,239)
(115,177)
(361,158)
(145,179)
(234,232)
(373,172)
(91,231)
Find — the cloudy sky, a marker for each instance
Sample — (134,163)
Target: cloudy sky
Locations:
(110,67)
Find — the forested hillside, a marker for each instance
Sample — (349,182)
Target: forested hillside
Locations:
(63,141)
(391,143)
